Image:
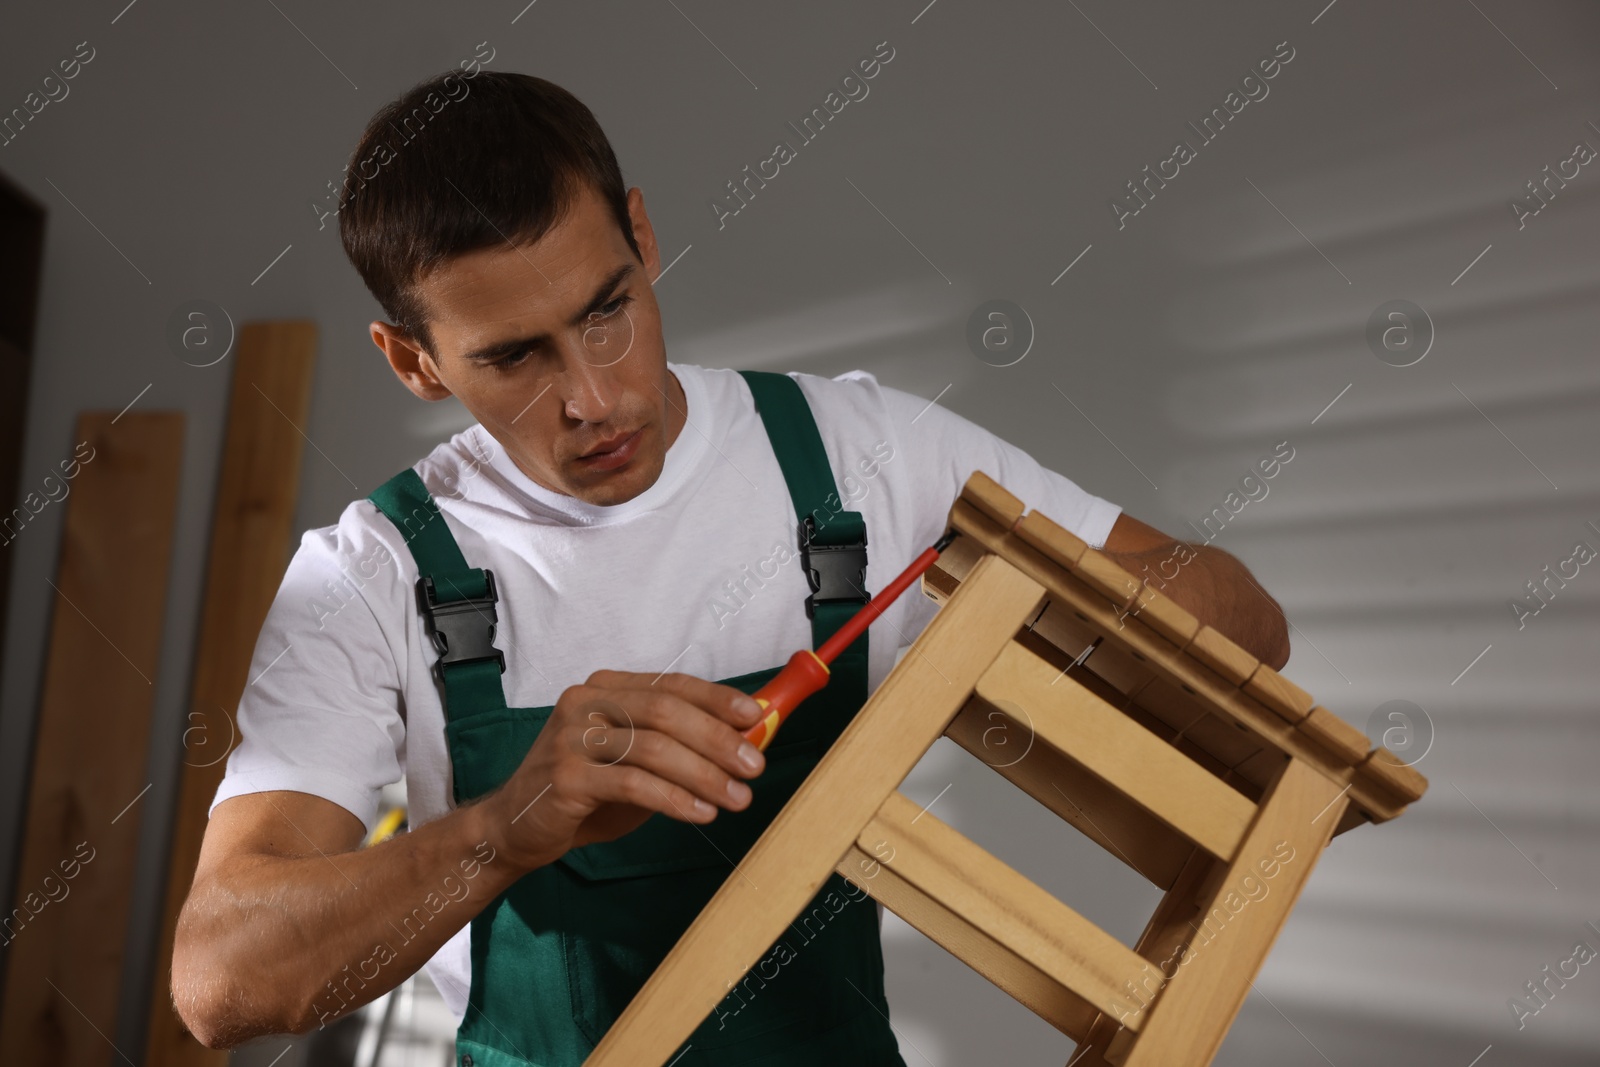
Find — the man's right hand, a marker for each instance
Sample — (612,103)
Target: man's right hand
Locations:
(619,748)
(284,900)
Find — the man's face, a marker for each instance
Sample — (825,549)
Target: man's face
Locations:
(555,347)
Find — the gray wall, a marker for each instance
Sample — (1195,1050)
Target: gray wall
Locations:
(1222,318)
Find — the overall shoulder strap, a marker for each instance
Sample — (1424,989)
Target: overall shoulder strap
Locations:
(832,541)
(457,601)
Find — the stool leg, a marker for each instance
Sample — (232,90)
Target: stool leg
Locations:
(1199,977)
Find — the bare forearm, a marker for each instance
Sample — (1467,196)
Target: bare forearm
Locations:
(1218,590)
(277,943)
(289,925)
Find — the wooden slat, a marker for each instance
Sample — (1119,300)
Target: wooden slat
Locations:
(1166,617)
(1013,913)
(1054,543)
(1346,741)
(251,538)
(1403,779)
(1047,998)
(1101,573)
(64,942)
(1280,695)
(993,499)
(821,822)
(1216,651)
(1125,755)
(1068,789)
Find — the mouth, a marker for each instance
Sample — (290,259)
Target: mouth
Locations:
(613,453)
(608,446)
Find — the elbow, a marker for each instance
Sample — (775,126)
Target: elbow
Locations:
(201,1000)
(211,1039)
(203,1019)
(217,1016)
(218,1010)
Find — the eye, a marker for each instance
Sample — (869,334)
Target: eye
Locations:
(612,308)
(511,362)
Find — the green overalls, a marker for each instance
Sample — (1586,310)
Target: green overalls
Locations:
(559,955)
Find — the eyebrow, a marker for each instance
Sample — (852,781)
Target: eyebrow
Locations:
(511,346)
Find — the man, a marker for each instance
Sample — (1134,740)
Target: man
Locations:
(612,559)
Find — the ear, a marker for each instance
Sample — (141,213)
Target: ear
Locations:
(414,367)
(644,234)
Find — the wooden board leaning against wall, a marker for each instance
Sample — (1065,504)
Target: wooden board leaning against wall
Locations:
(65,936)
(251,532)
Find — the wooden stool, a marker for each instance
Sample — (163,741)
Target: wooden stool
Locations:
(1201,768)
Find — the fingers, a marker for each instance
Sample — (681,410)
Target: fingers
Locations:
(623,731)
(631,784)
(724,701)
(686,707)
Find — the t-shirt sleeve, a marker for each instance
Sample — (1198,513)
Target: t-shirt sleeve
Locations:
(322,711)
(941,449)
(936,451)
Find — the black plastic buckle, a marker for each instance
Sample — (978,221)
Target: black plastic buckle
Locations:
(835,572)
(462,630)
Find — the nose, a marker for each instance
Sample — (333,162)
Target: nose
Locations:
(589,393)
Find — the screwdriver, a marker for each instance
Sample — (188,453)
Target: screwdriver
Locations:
(807,671)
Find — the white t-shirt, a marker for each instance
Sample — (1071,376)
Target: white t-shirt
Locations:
(697,574)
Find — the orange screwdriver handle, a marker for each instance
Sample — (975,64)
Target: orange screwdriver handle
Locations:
(803,675)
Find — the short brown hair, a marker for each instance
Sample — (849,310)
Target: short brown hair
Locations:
(462,170)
